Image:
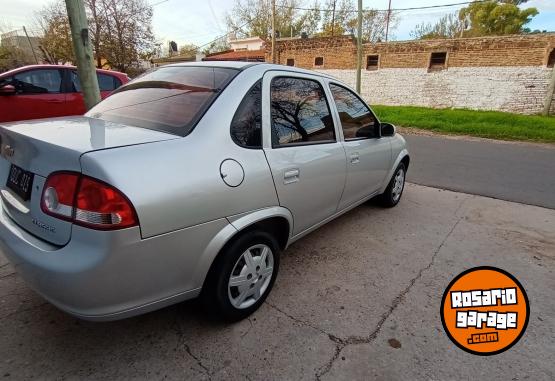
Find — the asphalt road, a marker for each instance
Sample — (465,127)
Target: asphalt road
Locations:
(357,299)
(519,172)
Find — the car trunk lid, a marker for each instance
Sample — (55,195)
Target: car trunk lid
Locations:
(41,147)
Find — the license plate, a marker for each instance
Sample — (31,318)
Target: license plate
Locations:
(20,181)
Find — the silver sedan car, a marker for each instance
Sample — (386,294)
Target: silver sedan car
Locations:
(188,181)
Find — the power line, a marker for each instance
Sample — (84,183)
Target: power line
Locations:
(217,38)
(437,6)
(158,3)
(386,10)
(324,10)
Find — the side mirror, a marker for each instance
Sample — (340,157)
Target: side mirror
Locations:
(388,129)
(7,90)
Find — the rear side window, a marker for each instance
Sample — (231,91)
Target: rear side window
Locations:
(170,99)
(246,126)
(105,82)
(40,81)
(300,112)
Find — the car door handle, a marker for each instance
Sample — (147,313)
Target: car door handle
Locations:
(55,101)
(355,158)
(291,176)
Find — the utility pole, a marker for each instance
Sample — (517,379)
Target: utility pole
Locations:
(387,22)
(359,45)
(83,52)
(273,31)
(333,19)
(30,45)
(550,93)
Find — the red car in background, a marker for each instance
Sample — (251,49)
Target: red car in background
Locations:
(46,91)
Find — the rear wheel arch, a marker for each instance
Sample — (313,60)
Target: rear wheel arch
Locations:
(406,161)
(277,226)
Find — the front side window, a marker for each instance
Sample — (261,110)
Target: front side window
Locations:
(300,112)
(6,81)
(170,99)
(356,118)
(246,126)
(40,81)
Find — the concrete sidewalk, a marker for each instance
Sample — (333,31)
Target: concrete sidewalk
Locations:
(357,299)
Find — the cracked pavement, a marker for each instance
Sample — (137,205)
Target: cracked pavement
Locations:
(357,299)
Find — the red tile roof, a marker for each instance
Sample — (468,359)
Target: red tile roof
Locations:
(239,55)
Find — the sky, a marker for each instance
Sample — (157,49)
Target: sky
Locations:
(200,21)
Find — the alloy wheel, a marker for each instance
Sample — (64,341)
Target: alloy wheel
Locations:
(398,185)
(251,276)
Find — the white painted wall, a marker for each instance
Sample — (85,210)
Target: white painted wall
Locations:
(247,44)
(512,89)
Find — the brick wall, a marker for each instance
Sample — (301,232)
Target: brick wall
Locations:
(506,73)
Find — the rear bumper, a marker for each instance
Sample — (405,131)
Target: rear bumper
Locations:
(112,275)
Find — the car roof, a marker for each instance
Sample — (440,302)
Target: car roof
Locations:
(242,65)
(48,66)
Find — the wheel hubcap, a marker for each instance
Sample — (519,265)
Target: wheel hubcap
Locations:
(251,276)
(398,185)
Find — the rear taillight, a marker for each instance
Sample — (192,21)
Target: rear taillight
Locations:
(86,201)
(59,194)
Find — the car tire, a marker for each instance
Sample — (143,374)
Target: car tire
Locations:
(392,194)
(247,259)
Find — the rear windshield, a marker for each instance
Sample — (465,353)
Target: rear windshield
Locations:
(169,99)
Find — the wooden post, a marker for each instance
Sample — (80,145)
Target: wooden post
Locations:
(31,45)
(550,93)
(387,21)
(359,46)
(273,31)
(333,19)
(83,52)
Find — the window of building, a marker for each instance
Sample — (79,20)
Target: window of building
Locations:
(372,62)
(319,61)
(438,61)
(246,126)
(551,59)
(39,81)
(290,62)
(357,121)
(300,112)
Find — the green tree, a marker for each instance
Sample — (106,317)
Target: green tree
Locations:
(492,18)
(253,18)
(12,55)
(218,45)
(337,22)
(56,34)
(188,50)
(374,25)
(449,26)
(120,31)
